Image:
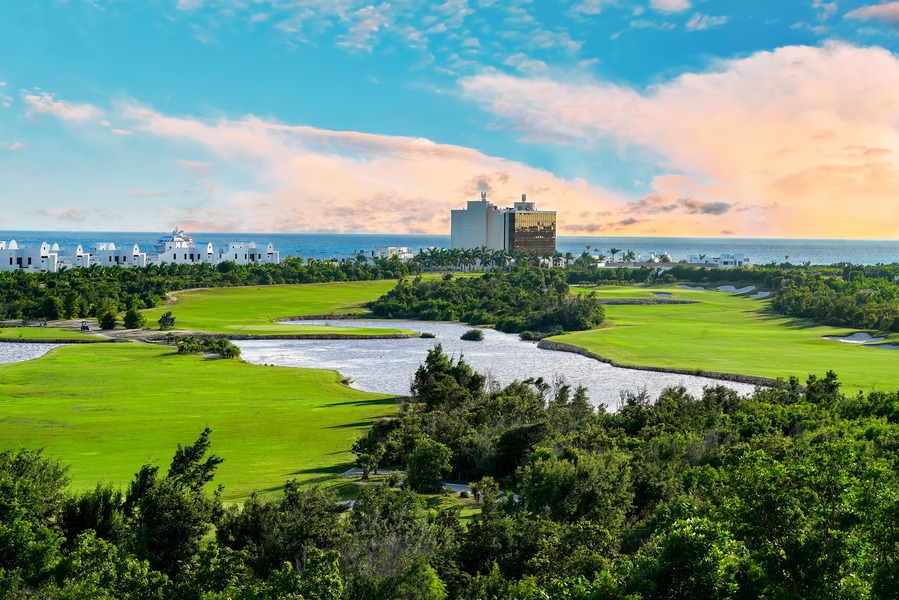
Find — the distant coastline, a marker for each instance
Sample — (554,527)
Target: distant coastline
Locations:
(321,245)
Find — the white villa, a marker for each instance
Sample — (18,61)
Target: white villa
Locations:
(33,260)
(76,259)
(246,254)
(106,254)
(174,249)
(723,261)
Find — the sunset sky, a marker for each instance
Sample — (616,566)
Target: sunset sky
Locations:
(714,118)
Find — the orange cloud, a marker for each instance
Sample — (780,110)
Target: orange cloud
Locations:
(804,140)
(318,180)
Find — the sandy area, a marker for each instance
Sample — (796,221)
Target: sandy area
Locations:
(661,295)
(859,337)
(733,290)
(692,288)
(760,295)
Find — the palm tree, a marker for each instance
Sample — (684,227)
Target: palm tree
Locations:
(569,258)
(630,256)
(613,252)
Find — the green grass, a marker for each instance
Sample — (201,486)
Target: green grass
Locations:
(43,333)
(105,408)
(249,310)
(734,334)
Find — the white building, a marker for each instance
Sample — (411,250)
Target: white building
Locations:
(723,261)
(33,260)
(402,252)
(105,254)
(243,253)
(181,252)
(521,227)
(480,224)
(76,258)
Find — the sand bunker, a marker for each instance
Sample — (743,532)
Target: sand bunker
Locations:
(859,337)
(693,289)
(733,290)
(760,295)
(882,346)
(661,295)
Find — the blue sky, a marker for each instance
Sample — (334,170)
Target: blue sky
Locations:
(647,117)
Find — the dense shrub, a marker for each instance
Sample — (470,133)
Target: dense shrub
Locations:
(473,335)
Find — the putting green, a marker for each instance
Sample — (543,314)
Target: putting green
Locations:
(250,310)
(731,333)
(105,408)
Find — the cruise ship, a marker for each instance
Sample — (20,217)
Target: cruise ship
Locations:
(177,239)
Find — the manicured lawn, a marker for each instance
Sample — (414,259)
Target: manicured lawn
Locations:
(734,334)
(42,333)
(105,408)
(249,310)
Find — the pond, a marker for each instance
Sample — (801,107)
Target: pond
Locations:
(11,352)
(388,365)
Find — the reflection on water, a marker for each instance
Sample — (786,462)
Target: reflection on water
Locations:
(11,352)
(388,366)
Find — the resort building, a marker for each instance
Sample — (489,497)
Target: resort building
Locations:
(33,260)
(243,253)
(723,261)
(105,254)
(521,227)
(77,258)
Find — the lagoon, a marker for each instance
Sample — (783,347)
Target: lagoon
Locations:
(388,365)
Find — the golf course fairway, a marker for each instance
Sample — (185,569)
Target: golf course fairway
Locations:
(250,310)
(105,409)
(730,333)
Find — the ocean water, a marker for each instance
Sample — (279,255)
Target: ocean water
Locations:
(761,251)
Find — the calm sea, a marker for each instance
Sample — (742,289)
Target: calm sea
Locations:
(761,251)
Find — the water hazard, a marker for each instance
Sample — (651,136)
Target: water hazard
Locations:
(11,352)
(388,366)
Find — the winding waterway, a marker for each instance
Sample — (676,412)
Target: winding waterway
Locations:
(388,365)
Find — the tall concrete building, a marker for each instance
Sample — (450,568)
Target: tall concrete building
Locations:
(519,228)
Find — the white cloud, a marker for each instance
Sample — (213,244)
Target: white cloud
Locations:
(315,179)
(522,63)
(121,131)
(44,103)
(670,6)
(699,22)
(887,13)
(16,146)
(807,129)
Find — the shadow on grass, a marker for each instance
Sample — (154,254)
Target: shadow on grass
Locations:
(366,423)
(377,402)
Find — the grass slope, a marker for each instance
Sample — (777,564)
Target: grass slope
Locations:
(730,333)
(249,310)
(106,408)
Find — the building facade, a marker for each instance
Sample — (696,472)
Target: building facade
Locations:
(522,227)
(723,261)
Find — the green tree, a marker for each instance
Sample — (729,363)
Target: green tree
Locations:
(429,463)
(173,514)
(107,320)
(134,318)
(167,320)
